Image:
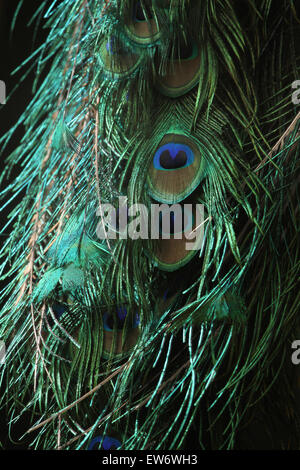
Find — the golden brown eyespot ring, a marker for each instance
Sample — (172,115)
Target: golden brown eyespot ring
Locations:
(181,74)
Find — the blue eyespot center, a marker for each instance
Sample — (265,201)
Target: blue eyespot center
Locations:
(104,443)
(173,156)
(58,310)
(119,319)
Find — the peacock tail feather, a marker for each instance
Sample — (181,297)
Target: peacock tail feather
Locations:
(166,102)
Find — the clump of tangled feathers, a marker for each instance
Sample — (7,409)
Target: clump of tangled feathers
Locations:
(197,353)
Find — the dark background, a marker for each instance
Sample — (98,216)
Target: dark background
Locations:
(15,47)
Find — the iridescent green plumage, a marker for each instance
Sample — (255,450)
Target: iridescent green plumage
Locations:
(213,350)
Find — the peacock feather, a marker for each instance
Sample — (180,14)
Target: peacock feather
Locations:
(135,341)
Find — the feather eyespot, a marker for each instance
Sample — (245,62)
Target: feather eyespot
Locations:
(143,29)
(182,70)
(104,443)
(176,169)
(180,239)
(116,60)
